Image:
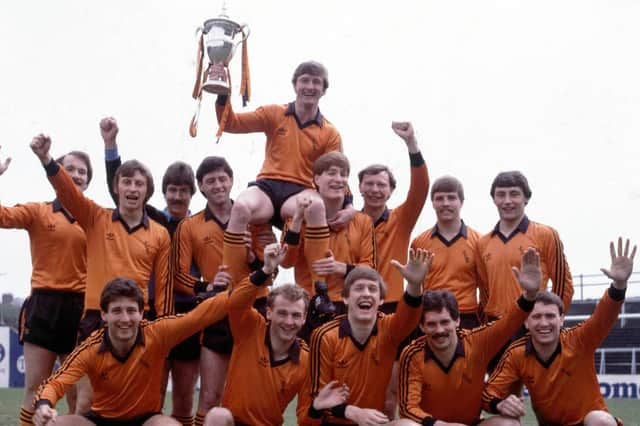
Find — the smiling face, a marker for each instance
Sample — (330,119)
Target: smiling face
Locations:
(77,169)
(510,202)
(375,189)
(440,329)
(287,318)
(332,183)
(123,318)
(216,187)
(132,191)
(363,300)
(309,89)
(544,323)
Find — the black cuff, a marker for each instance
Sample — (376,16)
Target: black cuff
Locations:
(199,287)
(52,168)
(615,294)
(258,277)
(338,411)
(428,421)
(292,238)
(526,305)
(350,268)
(412,301)
(348,200)
(493,405)
(43,402)
(416,159)
(313,413)
(222,100)
(256,264)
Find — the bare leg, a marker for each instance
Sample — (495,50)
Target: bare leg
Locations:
(184,375)
(38,363)
(213,372)
(251,206)
(85,396)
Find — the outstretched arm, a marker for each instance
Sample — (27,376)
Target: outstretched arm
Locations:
(80,207)
(419,184)
(109,130)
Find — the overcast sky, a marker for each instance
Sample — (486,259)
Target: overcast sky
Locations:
(551,88)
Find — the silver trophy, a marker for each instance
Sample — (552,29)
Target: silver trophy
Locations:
(218,41)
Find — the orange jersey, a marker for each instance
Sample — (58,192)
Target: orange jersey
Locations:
(429,391)
(454,264)
(564,388)
(393,229)
(113,249)
(354,245)
(252,367)
(291,147)
(198,241)
(58,245)
(496,255)
(365,368)
(130,387)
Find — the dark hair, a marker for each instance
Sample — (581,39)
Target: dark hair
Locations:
(291,292)
(179,173)
(128,169)
(363,273)
(447,184)
(311,68)
(548,298)
(85,159)
(511,178)
(437,300)
(328,160)
(211,164)
(374,169)
(121,287)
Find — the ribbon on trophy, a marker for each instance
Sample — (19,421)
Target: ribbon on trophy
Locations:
(216,39)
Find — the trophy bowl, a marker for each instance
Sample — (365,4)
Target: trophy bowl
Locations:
(218,39)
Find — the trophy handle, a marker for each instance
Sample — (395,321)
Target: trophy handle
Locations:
(245,30)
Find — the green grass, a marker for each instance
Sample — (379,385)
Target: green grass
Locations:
(11,398)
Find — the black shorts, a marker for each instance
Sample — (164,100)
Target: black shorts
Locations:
(388,307)
(91,321)
(50,319)
(101,421)
(278,192)
(188,349)
(218,338)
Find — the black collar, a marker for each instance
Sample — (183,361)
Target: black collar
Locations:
(291,110)
(57,207)
(383,218)
(529,350)
(208,215)
(344,330)
(459,352)
(462,233)
(107,346)
(522,227)
(294,350)
(144,223)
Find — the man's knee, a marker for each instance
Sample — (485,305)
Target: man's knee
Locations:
(316,210)
(599,418)
(161,420)
(241,211)
(219,416)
